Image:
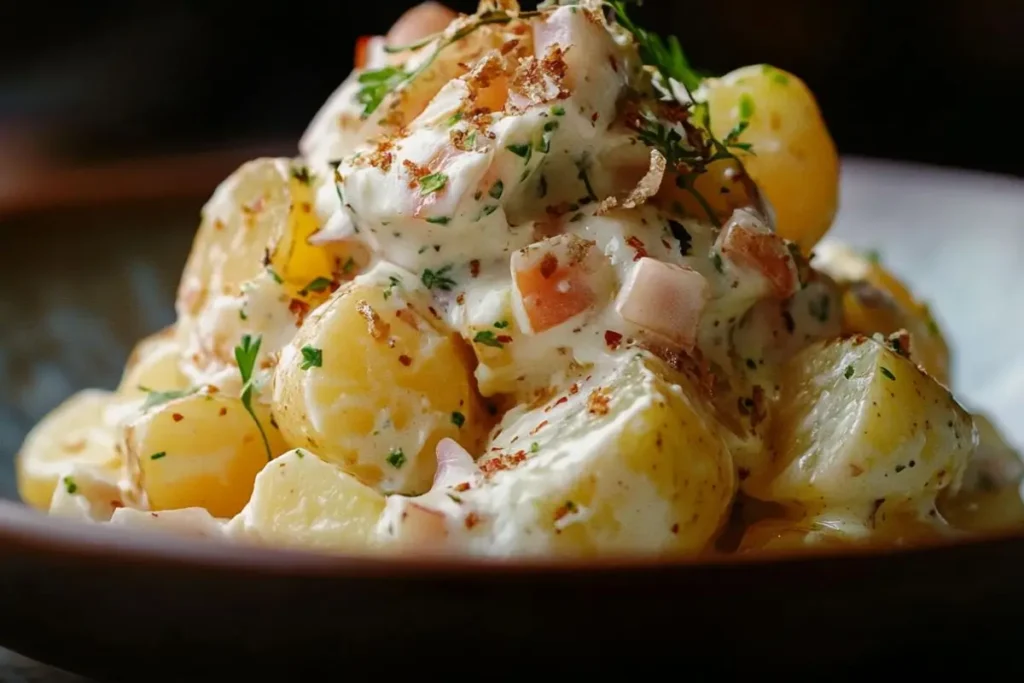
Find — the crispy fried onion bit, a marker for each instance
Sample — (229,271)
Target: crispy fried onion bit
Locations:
(644,190)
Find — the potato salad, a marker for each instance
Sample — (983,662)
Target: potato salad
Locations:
(533,286)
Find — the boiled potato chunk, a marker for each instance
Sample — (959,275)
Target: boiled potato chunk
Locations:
(371,382)
(75,433)
(624,461)
(302,501)
(252,268)
(153,365)
(794,160)
(875,300)
(990,497)
(199,450)
(856,422)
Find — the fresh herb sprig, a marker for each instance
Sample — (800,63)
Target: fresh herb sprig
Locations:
(246,354)
(666,55)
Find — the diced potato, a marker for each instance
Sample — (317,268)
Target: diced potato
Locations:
(990,497)
(857,423)
(199,450)
(153,365)
(302,501)
(254,234)
(371,382)
(88,493)
(795,162)
(623,461)
(875,300)
(74,433)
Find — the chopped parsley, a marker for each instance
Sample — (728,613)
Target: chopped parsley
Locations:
(525,151)
(156,398)
(716,259)
(157,456)
(349,265)
(317,285)
(496,189)
(888,373)
(273,274)
(302,175)
(246,354)
(534,447)
(439,220)
(488,338)
(437,279)
(70,486)
(849,372)
(396,458)
(392,283)
(455,118)
(501,324)
(434,182)
(746,106)
(458,419)
(377,84)
(312,357)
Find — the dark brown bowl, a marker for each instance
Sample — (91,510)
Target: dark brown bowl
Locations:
(82,286)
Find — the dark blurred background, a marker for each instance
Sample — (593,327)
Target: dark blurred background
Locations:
(89,83)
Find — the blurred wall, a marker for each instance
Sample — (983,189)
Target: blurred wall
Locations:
(930,81)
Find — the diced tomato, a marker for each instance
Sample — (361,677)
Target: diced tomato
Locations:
(553,293)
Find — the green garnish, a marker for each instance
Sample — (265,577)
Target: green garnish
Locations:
(377,84)
(439,220)
(246,354)
(157,456)
(496,189)
(488,338)
(534,447)
(392,283)
(664,55)
(458,419)
(70,486)
(312,357)
(454,118)
(717,261)
(888,373)
(849,372)
(746,106)
(302,175)
(525,150)
(273,273)
(349,265)
(558,110)
(501,324)
(156,398)
(396,458)
(437,279)
(317,285)
(433,183)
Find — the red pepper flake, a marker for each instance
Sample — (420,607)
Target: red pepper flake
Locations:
(564,399)
(612,339)
(597,402)
(177,417)
(675,528)
(460,299)
(116,504)
(218,224)
(306,207)
(502,462)
(539,427)
(472,519)
(464,486)
(594,117)
(405,360)
(564,509)
(664,243)
(223,411)
(548,265)
(474,267)
(504,339)
(300,309)
(635,242)
(407,316)
(574,389)
(433,312)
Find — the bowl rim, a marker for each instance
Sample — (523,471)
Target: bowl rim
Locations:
(31,530)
